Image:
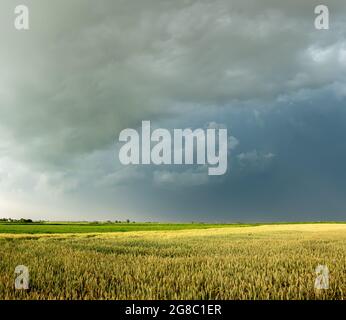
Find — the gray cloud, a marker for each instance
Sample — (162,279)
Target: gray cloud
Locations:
(84,70)
(87,70)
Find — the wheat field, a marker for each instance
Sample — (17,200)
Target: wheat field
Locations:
(258,262)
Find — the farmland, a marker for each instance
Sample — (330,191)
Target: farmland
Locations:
(176,262)
(79,227)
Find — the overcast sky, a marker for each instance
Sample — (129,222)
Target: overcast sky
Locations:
(88,69)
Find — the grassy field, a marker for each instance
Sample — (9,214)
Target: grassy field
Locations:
(63,227)
(232,262)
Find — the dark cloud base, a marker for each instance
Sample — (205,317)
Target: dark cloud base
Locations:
(87,70)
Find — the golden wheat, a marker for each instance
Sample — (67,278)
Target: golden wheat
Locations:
(262,262)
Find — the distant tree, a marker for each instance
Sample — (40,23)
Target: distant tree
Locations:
(22,220)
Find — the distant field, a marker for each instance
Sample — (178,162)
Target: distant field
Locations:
(248,262)
(40,228)
(89,227)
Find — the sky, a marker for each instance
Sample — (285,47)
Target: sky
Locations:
(85,70)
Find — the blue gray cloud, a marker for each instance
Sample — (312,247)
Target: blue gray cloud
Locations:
(86,70)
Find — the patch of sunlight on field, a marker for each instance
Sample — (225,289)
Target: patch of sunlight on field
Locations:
(170,234)
(257,262)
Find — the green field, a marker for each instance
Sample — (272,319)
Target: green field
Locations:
(228,262)
(92,227)
(51,228)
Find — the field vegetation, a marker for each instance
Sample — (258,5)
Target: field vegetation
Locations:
(229,262)
(19,227)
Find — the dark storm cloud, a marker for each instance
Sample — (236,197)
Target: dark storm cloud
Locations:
(289,166)
(86,70)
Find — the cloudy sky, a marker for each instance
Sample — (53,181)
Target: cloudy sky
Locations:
(88,69)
